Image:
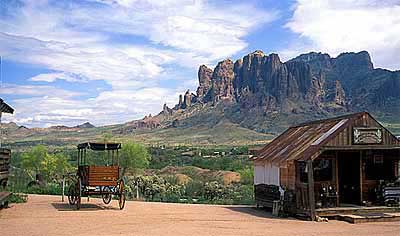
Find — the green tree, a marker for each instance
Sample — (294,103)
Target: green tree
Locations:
(33,160)
(134,156)
(50,166)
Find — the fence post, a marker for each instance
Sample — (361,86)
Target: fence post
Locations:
(63,188)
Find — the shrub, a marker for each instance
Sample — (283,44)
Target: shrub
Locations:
(18,198)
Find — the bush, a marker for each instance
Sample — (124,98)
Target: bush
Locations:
(247,176)
(50,189)
(18,198)
(194,189)
(156,188)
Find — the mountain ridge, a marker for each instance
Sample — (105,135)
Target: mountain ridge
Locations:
(260,93)
(312,84)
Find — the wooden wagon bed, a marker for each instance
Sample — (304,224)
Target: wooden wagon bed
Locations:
(100,175)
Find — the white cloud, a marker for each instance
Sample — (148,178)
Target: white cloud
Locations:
(337,26)
(51,77)
(191,26)
(80,41)
(36,90)
(73,38)
(46,105)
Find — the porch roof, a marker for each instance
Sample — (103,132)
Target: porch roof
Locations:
(4,107)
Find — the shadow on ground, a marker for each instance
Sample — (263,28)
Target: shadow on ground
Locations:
(84,207)
(258,212)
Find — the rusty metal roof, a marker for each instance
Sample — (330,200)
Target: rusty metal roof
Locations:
(302,141)
(4,107)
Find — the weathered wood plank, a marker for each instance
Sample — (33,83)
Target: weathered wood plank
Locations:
(311,189)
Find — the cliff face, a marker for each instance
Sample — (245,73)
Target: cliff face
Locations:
(222,82)
(261,86)
(260,80)
(204,75)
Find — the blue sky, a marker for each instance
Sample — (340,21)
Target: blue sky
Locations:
(112,61)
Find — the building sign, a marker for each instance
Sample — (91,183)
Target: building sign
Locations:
(367,135)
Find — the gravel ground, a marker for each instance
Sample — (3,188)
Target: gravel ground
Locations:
(47,215)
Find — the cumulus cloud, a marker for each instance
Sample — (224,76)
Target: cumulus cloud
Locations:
(51,77)
(81,41)
(36,90)
(46,106)
(337,26)
(192,26)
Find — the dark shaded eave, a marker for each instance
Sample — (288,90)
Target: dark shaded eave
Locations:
(4,107)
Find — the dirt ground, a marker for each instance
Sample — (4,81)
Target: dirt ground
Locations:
(47,215)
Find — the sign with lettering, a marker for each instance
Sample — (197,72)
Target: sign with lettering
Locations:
(363,135)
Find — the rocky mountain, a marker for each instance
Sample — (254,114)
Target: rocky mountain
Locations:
(249,101)
(263,93)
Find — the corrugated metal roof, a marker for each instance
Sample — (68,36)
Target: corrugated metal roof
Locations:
(4,107)
(303,141)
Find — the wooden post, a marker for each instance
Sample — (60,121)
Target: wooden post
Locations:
(361,179)
(311,196)
(117,157)
(63,188)
(337,177)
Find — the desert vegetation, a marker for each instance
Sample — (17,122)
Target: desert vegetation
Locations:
(218,175)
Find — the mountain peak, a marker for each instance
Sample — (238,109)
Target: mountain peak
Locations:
(361,60)
(258,52)
(86,125)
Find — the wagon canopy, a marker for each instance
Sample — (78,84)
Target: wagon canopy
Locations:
(99,146)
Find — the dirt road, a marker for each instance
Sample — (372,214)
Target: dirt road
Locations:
(47,215)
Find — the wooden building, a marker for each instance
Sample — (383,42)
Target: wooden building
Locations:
(349,155)
(5,156)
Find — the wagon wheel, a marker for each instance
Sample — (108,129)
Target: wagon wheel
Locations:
(78,193)
(121,194)
(72,194)
(107,195)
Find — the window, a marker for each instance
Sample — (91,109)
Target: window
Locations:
(302,170)
(377,168)
(323,170)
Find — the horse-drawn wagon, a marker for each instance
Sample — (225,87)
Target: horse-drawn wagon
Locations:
(101,180)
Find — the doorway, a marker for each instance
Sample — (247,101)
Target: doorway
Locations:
(349,177)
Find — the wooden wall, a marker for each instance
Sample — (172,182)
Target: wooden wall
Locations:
(288,176)
(345,137)
(5,155)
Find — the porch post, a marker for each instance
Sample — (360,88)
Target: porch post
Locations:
(337,177)
(311,197)
(361,179)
